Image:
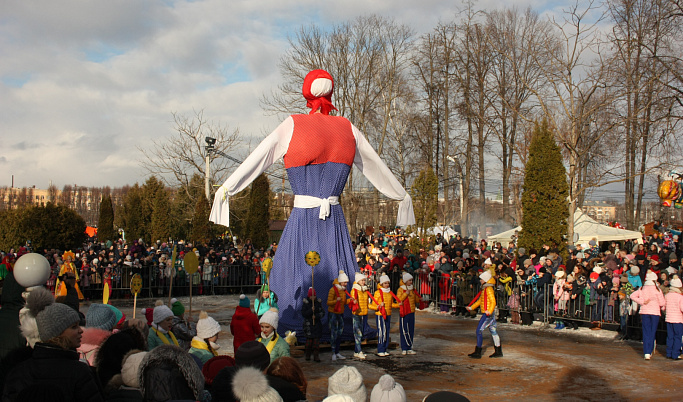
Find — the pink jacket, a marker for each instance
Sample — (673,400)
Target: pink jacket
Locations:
(558,290)
(674,307)
(654,298)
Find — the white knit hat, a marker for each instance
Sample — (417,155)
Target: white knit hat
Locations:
(161,313)
(359,277)
(383,278)
(635,270)
(250,385)
(342,277)
(130,368)
(348,381)
(676,283)
(488,261)
(650,278)
(387,390)
(207,326)
(270,317)
(485,276)
(406,277)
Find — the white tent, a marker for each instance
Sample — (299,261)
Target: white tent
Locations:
(587,229)
(446,231)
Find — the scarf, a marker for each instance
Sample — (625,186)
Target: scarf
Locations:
(200,344)
(163,337)
(385,290)
(273,340)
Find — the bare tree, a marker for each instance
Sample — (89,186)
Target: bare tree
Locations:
(367,58)
(641,35)
(576,77)
(517,41)
(177,159)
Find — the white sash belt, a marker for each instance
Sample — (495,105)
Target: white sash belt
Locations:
(307,201)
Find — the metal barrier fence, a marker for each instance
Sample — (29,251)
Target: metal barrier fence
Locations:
(525,303)
(521,303)
(210,280)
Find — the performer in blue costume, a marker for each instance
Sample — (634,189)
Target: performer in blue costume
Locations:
(319,151)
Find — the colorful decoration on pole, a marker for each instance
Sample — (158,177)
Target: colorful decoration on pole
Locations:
(135,288)
(312,258)
(670,191)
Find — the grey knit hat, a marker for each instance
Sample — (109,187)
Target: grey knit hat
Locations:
(100,316)
(54,319)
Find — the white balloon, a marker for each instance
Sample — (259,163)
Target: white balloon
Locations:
(31,270)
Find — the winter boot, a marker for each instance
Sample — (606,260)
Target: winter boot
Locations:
(498,352)
(316,350)
(476,354)
(309,348)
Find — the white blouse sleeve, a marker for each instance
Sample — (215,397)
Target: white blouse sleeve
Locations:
(272,148)
(381,177)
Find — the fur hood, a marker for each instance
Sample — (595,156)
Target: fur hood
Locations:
(156,373)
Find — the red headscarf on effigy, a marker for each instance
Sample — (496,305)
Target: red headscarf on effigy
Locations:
(317,89)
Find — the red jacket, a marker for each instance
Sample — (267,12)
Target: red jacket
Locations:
(244,326)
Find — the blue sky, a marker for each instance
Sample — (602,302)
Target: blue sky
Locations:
(84,83)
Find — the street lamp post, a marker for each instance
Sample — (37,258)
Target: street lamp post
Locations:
(210,143)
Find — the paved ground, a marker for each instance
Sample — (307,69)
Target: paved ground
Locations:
(539,364)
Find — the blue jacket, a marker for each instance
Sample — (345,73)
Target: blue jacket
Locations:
(635,280)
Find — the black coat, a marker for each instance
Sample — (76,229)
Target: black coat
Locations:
(55,368)
(12,302)
(312,330)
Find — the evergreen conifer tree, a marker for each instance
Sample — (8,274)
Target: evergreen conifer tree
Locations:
(201,230)
(425,193)
(544,200)
(160,228)
(258,216)
(105,224)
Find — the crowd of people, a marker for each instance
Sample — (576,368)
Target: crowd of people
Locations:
(105,356)
(629,284)
(102,355)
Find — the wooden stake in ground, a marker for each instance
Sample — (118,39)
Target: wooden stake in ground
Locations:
(191,263)
(135,287)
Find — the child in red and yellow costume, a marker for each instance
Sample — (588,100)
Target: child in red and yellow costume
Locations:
(336,300)
(382,303)
(67,267)
(408,299)
(486,301)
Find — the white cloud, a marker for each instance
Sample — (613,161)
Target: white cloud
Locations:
(85,83)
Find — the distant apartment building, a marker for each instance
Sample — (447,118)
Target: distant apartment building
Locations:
(84,200)
(601,211)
